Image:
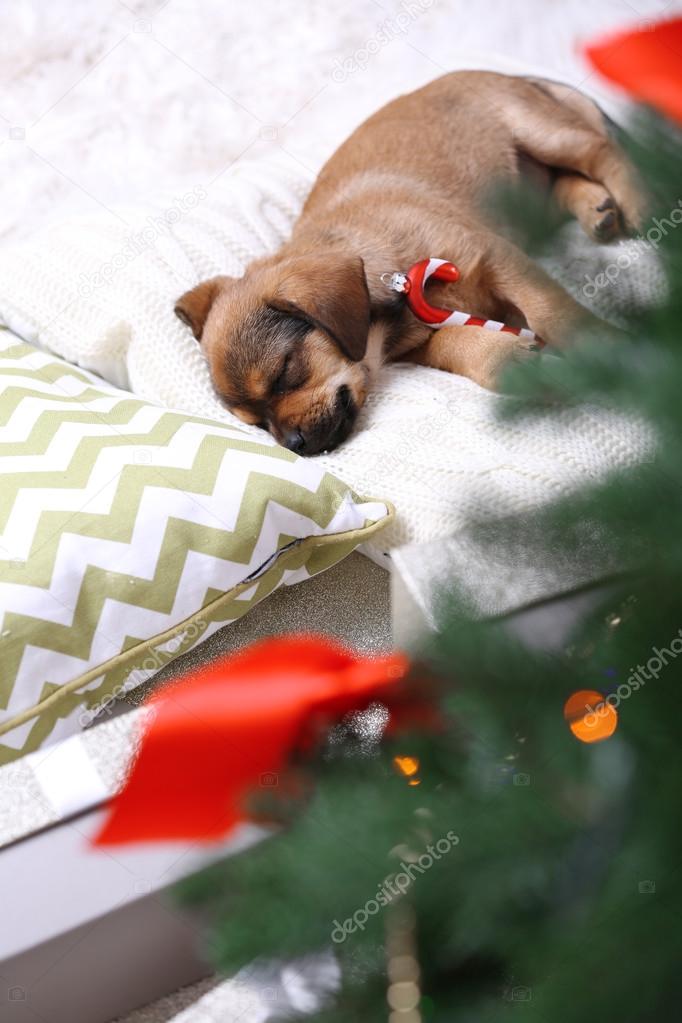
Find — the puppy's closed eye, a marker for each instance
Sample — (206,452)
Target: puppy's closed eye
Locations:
(280,384)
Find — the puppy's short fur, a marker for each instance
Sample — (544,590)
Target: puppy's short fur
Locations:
(294,343)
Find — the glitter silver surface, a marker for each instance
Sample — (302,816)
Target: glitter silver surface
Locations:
(349,601)
(24,808)
(111,745)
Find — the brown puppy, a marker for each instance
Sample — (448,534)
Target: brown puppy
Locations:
(294,343)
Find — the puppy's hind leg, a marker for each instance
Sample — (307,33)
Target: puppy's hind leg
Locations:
(591,205)
(558,134)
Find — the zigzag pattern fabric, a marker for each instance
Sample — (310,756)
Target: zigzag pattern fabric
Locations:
(129,532)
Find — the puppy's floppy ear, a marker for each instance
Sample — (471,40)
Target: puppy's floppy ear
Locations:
(193,307)
(331,293)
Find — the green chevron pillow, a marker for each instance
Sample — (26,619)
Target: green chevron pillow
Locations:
(129,532)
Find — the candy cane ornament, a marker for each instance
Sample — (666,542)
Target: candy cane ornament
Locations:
(411,284)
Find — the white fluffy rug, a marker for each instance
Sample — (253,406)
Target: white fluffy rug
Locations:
(104,102)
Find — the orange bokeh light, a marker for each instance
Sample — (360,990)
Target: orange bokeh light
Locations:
(589,716)
(406,765)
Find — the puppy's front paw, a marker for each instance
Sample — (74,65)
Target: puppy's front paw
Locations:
(526,348)
(507,348)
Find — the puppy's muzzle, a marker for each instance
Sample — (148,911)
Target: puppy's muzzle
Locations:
(328,433)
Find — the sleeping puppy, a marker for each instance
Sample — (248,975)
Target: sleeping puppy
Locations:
(295,343)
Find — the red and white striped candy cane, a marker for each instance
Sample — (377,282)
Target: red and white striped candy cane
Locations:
(411,284)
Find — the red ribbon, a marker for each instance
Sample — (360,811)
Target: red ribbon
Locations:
(215,735)
(647,63)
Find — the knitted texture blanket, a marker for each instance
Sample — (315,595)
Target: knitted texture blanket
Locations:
(100,291)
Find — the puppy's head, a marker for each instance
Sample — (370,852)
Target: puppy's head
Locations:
(284,345)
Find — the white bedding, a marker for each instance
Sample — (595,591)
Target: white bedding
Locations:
(181,99)
(101,294)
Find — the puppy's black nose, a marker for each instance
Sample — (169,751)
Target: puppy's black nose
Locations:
(295,441)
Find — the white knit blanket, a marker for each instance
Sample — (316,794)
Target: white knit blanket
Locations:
(100,292)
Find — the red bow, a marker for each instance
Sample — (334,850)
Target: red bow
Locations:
(647,63)
(215,735)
